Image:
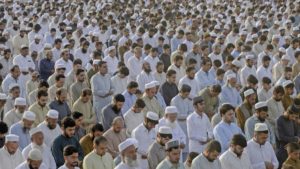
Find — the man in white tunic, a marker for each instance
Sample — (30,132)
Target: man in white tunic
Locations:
(145,135)
(135,64)
(134,116)
(235,157)
(190,80)
(260,151)
(102,87)
(34,160)
(128,154)
(112,60)
(24,60)
(145,76)
(247,70)
(199,128)
(10,154)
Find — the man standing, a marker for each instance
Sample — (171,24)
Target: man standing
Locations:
(130,96)
(169,88)
(134,116)
(50,128)
(199,128)
(209,157)
(275,106)
(99,158)
(145,135)
(128,154)
(229,92)
(224,131)
(15,115)
(260,151)
(70,155)
(150,100)
(102,88)
(235,157)
(40,108)
(10,154)
(80,84)
(111,111)
(86,142)
(172,159)
(157,149)
(60,104)
(67,138)
(116,134)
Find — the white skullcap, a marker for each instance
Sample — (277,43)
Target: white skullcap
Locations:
(260,105)
(260,127)
(285,57)
(295,29)
(59,66)
(111,48)
(287,82)
(165,130)
(149,85)
(243,33)
(13,85)
(94,21)
(156,83)
(275,37)
(254,36)
(24,69)
(226,27)
(249,56)
(276,22)
(28,115)
(34,131)
(96,62)
(282,28)
(15,22)
(3,96)
(265,30)
(35,154)
(212,34)
(24,46)
(282,50)
(230,76)
(288,37)
(20,101)
(152,116)
(171,110)
(127,143)
(22,28)
(217,27)
(248,92)
(47,45)
(68,28)
(113,37)
(37,36)
(53,114)
(12,138)
(236,63)
(97,34)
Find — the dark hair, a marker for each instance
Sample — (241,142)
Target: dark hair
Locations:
(139,103)
(216,88)
(124,70)
(76,115)
(99,140)
(3,127)
(266,80)
(101,63)
(189,69)
(42,93)
(239,139)
(220,71)
(185,88)
(119,98)
(77,62)
(192,156)
(86,92)
(68,122)
(225,108)
(43,83)
(132,84)
(69,150)
(78,71)
(288,69)
(213,145)
(278,90)
(170,72)
(58,77)
(96,127)
(292,147)
(252,79)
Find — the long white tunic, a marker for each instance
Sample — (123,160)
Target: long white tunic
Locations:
(193,83)
(25,165)
(8,161)
(245,72)
(112,64)
(49,135)
(199,129)
(132,120)
(144,78)
(258,154)
(229,160)
(22,61)
(145,138)
(120,84)
(135,67)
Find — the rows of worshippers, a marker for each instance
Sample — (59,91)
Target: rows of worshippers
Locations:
(145,84)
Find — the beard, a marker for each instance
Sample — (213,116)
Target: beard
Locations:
(115,109)
(261,119)
(83,50)
(30,167)
(51,127)
(171,124)
(130,162)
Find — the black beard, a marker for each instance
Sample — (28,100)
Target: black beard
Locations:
(83,50)
(30,167)
(261,119)
(115,109)
(50,127)
(15,28)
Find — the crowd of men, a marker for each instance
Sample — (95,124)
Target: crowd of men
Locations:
(150,84)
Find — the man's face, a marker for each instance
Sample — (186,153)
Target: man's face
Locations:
(252,99)
(200,107)
(278,96)
(12,146)
(174,156)
(130,156)
(261,138)
(51,123)
(172,78)
(262,115)
(213,156)
(288,75)
(295,155)
(27,123)
(150,125)
(101,148)
(16,73)
(185,94)
(289,90)
(97,133)
(62,97)
(151,92)
(206,67)
(72,160)
(38,138)
(119,105)
(293,117)
(69,131)
(229,116)
(160,68)
(117,127)
(178,63)
(2,103)
(34,164)
(81,77)
(132,90)
(61,82)
(191,74)
(43,101)
(238,150)
(103,68)
(79,121)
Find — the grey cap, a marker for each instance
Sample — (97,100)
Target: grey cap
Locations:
(172,144)
(198,99)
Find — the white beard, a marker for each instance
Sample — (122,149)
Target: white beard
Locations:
(130,162)
(171,124)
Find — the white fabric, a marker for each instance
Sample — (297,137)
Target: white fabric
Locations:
(229,160)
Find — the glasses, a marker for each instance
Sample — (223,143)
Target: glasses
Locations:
(166,135)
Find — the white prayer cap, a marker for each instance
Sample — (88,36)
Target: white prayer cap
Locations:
(152,116)
(59,66)
(52,114)
(37,36)
(249,56)
(254,36)
(28,115)
(226,27)
(285,57)
(113,37)
(165,130)
(97,34)
(149,85)
(212,34)
(24,69)
(260,105)
(172,144)
(236,63)
(47,45)
(288,21)
(68,28)
(248,92)
(156,83)
(96,62)
(34,131)
(57,12)
(171,110)
(281,49)
(282,28)
(276,22)
(22,28)
(111,48)
(287,82)
(295,29)
(275,37)
(243,33)
(35,154)
(3,96)
(217,26)
(265,30)
(24,46)
(15,22)
(20,101)
(260,127)
(12,138)
(127,143)
(13,85)
(231,76)
(94,21)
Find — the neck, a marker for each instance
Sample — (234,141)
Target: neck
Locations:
(69,166)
